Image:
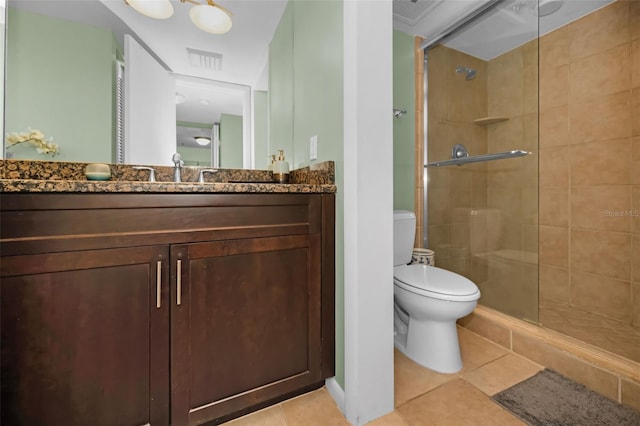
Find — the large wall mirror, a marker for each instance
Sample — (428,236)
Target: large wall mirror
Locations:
(91,73)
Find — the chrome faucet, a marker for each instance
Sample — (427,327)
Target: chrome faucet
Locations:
(177,167)
(201,178)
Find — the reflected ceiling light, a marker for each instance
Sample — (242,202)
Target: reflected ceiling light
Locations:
(158,9)
(180,98)
(204,101)
(202,140)
(209,17)
(547,7)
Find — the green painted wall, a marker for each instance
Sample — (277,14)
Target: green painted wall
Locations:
(281,85)
(195,156)
(403,128)
(318,110)
(44,80)
(230,141)
(261,129)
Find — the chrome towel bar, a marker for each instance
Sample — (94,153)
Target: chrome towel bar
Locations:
(460,156)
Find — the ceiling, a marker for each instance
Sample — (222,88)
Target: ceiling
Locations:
(509,24)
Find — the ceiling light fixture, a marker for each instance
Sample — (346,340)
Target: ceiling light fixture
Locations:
(209,17)
(202,140)
(158,9)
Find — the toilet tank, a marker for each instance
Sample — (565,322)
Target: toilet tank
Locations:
(404,231)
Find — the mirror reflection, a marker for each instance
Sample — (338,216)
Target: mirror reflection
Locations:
(85,74)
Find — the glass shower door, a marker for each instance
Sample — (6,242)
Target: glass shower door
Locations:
(482,93)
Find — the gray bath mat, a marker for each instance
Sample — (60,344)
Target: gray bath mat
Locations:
(549,399)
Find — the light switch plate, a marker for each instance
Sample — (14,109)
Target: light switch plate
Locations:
(313,148)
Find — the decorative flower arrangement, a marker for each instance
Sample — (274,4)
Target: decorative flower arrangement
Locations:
(36,138)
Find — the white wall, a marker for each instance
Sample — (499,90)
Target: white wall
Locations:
(368,209)
(150,111)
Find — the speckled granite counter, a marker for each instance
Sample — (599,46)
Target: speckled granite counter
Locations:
(51,176)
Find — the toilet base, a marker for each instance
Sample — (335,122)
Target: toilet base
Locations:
(432,344)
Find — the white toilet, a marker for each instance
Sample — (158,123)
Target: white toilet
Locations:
(427,302)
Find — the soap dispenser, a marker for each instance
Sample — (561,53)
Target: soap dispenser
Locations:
(271,161)
(281,169)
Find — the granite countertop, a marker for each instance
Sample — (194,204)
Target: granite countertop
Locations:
(35,185)
(50,176)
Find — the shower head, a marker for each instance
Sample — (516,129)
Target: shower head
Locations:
(469,72)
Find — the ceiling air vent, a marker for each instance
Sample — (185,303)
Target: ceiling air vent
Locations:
(204,59)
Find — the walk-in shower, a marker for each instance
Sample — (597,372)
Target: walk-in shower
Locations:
(529,229)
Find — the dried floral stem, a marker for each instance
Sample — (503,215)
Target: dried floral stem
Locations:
(36,138)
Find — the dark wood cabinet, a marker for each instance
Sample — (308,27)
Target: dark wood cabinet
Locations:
(176,309)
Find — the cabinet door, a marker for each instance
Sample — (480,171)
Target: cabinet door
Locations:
(85,339)
(246,326)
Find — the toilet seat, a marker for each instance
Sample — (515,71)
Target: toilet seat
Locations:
(436,283)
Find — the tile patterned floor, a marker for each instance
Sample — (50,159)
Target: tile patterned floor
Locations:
(422,397)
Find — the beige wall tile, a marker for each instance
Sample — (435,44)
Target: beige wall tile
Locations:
(554,284)
(531,131)
(445,407)
(554,126)
(438,205)
(554,87)
(635,290)
(505,136)
(566,364)
(502,373)
(635,165)
(601,295)
(635,258)
(634,18)
(635,209)
(602,253)
(487,329)
(601,163)
(600,207)
(554,246)
(630,394)
(554,48)
(635,62)
(554,167)
(604,117)
(635,111)
(505,84)
(554,207)
(599,31)
(600,74)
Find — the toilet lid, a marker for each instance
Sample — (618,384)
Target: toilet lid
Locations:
(435,282)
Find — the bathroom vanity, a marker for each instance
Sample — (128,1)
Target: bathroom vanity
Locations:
(163,307)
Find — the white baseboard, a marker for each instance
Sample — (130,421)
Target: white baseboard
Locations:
(336,392)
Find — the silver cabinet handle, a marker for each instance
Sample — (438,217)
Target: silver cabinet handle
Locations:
(159,284)
(179,282)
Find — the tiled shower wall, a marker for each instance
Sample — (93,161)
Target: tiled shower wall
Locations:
(590,164)
(512,185)
(483,216)
(453,192)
